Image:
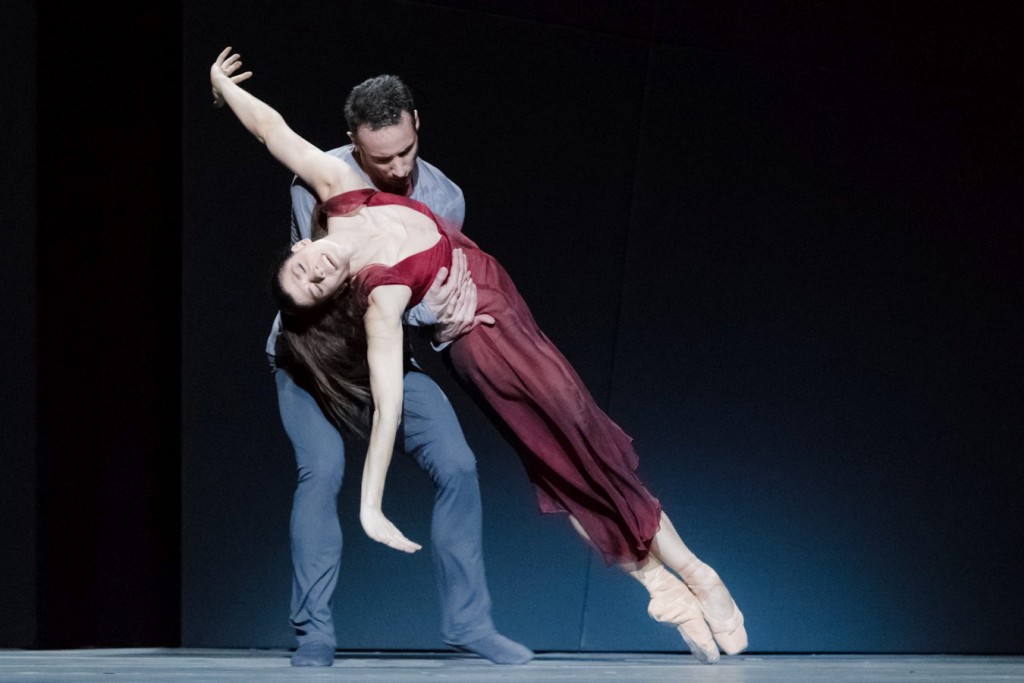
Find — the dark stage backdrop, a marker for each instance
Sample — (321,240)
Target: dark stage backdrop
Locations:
(781,245)
(89,442)
(18,393)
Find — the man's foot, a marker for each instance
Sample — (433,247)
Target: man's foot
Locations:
(313,654)
(498,649)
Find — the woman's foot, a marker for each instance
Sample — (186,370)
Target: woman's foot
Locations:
(720,611)
(673,604)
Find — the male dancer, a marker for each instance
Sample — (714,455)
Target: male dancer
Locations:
(383,128)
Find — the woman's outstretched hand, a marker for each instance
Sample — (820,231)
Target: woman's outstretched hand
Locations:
(380,529)
(223,71)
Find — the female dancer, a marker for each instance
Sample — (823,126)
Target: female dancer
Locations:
(343,297)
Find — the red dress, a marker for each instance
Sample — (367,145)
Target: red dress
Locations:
(580,461)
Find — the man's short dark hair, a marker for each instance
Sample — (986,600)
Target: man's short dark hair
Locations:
(378,102)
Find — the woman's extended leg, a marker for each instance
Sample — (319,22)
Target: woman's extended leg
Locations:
(720,610)
(671,603)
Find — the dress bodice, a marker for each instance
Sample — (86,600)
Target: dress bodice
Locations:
(416,271)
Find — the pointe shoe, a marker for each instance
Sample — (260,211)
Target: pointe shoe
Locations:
(673,604)
(730,634)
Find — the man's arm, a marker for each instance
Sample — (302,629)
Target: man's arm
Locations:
(453,302)
(449,305)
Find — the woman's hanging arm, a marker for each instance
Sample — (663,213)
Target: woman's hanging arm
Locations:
(385,356)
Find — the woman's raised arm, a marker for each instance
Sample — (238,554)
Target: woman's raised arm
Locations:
(327,175)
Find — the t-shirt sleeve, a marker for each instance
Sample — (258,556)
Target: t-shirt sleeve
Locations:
(302,211)
(444,197)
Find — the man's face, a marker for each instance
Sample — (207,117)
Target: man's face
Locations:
(388,155)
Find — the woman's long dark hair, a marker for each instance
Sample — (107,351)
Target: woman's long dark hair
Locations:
(325,351)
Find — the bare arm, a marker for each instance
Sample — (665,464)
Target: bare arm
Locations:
(384,352)
(327,175)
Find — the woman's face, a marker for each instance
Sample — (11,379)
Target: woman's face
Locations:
(314,271)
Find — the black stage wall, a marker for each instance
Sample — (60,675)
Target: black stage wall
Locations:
(779,242)
(18,323)
(92,273)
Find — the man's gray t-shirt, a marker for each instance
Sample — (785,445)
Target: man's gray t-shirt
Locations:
(430,186)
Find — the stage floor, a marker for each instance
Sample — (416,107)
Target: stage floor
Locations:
(242,666)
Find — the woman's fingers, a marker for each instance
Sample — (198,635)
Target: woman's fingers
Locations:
(230,62)
(227,64)
(397,540)
(379,528)
(404,544)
